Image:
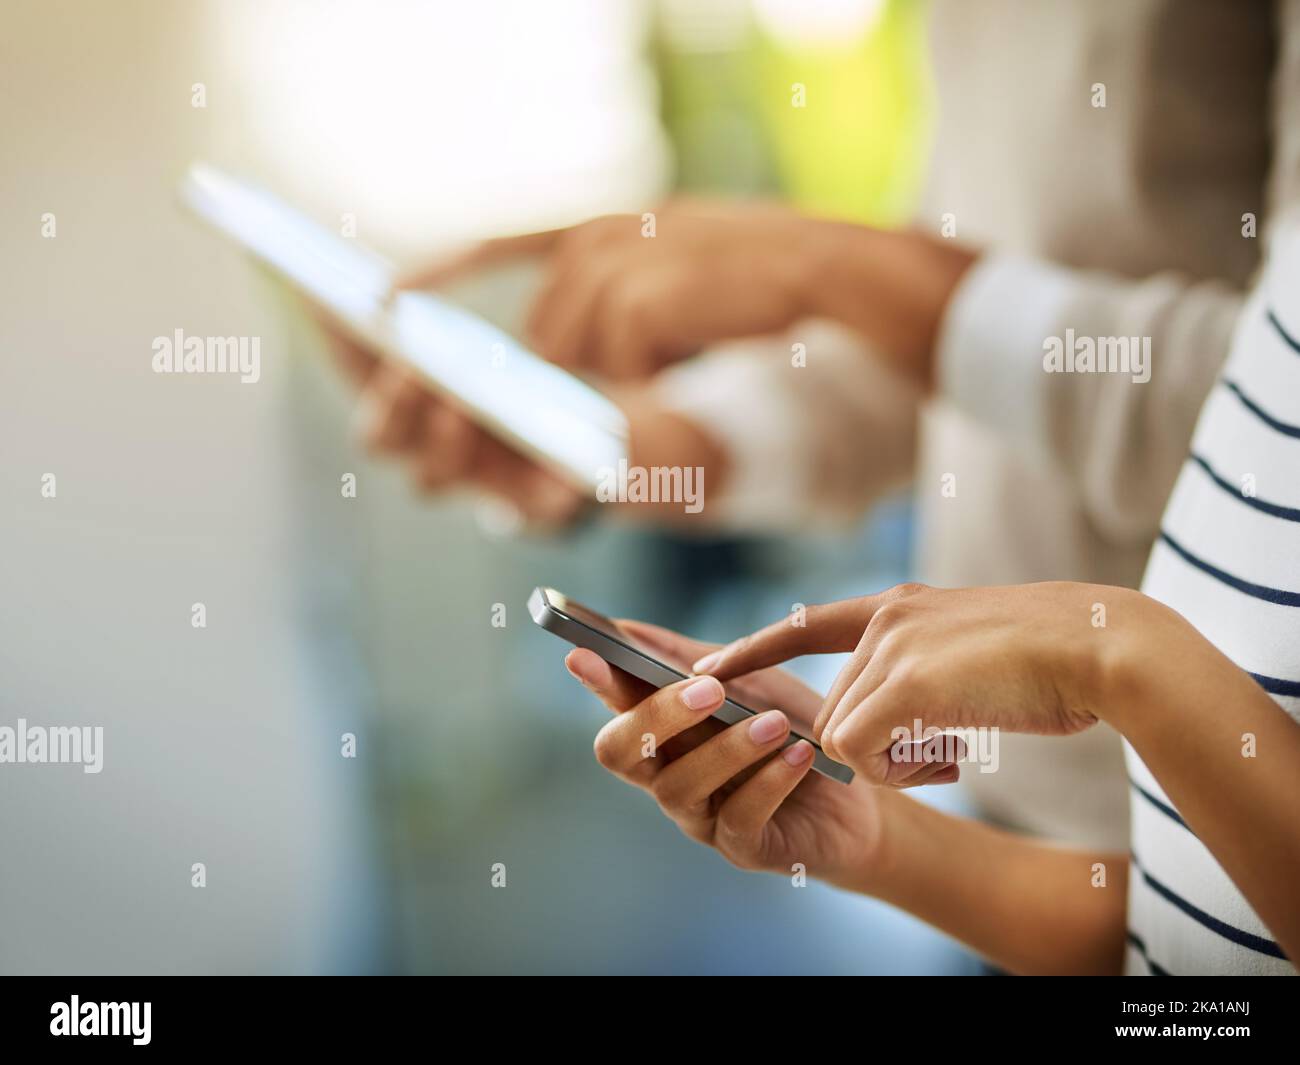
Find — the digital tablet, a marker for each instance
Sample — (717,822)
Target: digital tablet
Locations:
(583,627)
(539,409)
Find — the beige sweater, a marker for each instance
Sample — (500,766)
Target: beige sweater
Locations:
(1117,221)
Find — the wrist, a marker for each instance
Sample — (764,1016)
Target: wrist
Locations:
(808,259)
(892,287)
(882,865)
(834,261)
(660,438)
(1132,671)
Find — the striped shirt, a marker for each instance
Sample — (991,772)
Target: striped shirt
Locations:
(1228,560)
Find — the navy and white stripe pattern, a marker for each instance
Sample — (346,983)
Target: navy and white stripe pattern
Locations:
(1228,560)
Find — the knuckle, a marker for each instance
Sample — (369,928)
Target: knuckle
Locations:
(908,589)
(854,747)
(735,845)
(668,793)
(698,831)
(378,406)
(905,675)
(729,832)
(428,481)
(410,389)
(888,616)
(633,306)
(458,438)
(900,689)
(874,770)
(664,791)
(605,748)
(741,648)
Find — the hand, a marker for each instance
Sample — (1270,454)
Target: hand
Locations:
(443,449)
(620,302)
(623,303)
(1026,658)
(733,787)
(401,418)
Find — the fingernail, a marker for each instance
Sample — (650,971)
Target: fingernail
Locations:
(798,753)
(767,727)
(704,693)
(707,662)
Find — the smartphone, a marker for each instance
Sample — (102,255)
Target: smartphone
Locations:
(583,627)
(539,409)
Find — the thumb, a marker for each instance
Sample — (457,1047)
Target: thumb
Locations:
(823,629)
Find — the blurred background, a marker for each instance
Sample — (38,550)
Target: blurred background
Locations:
(427,124)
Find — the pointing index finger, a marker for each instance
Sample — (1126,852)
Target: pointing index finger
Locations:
(821,629)
(476,257)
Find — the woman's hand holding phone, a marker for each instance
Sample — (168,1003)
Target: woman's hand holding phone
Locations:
(732,787)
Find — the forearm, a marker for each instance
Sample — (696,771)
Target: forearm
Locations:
(1026,906)
(1225,753)
(977,330)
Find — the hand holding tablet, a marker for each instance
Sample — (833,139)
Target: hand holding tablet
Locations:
(541,411)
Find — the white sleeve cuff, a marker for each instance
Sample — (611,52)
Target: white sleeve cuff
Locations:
(815,426)
(734,394)
(989,357)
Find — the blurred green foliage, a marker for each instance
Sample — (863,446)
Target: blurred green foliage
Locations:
(853,147)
